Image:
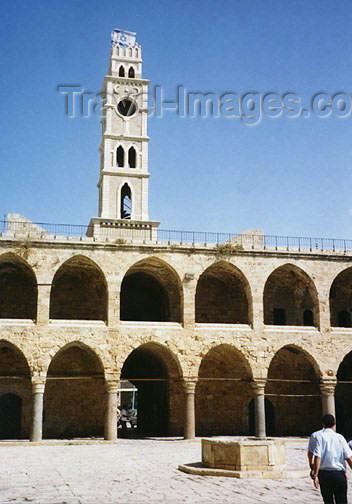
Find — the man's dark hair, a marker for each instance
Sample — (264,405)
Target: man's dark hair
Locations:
(328,420)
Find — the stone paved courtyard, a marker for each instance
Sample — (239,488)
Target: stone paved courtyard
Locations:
(135,471)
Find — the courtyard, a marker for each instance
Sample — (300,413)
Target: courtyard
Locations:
(135,471)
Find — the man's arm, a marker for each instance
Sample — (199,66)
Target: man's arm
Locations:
(316,471)
(310,459)
(310,453)
(349,461)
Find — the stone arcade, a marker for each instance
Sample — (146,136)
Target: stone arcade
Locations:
(219,339)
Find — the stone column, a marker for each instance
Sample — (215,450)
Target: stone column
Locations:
(111,411)
(328,397)
(43,305)
(189,430)
(37,410)
(259,409)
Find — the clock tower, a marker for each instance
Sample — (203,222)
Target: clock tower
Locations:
(124,175)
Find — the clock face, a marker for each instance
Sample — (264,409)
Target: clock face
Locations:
(127,107)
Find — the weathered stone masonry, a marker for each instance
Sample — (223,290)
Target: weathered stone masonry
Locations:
(93,352)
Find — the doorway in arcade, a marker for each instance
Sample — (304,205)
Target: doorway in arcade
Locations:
(152,371)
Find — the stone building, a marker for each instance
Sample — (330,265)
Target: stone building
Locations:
(220,335)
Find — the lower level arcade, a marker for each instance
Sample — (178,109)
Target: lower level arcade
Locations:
(76,399)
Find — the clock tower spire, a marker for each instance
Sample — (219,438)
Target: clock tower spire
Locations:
(124,176)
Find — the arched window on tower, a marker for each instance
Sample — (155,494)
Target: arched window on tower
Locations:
(132,155)
(120,156)
(126,202)
(131,73)
(121,71)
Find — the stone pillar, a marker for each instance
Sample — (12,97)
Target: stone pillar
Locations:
(43,305)
(114,303)
(111,411)
(257,312)
(189,298)
(37,410)
(259,409)
(189,430)
(328,397)
(324,312)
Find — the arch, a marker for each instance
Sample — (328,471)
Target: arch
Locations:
(308,318)
(126,202)
(223,392)
(223,295)
(289,294)
(131,73)
(79,291)
(74,400)
(10,416)
(151,291)
(293,388)
(155,371)
(340,299)
(15,393)
(18,289)
(132,157)
(121,71)
(93,354)
(120,156)
(12,360)
(343,396)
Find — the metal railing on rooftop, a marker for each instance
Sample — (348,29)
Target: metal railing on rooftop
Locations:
(238,241)
(42,228)
(258,241)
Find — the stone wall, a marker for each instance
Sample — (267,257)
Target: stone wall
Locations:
(221,297)
(151,291)
(292,292)
(22,389)
(74,395)
(344,397)
(74,408)
(78,292)
(297,403)
(15,379)
(223,393)
(341,299)
(181,343)
(18,289)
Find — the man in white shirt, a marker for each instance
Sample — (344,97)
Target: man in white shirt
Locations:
(331,452)
(311,446)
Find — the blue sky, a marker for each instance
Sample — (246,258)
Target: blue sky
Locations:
(285,176)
